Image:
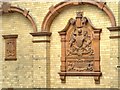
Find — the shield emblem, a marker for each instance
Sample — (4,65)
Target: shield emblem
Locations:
(79,41)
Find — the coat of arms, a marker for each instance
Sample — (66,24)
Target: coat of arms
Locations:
(80,54)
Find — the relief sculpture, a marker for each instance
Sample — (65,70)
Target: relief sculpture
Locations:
(80,49)
(80,66)
(80,43)
(10,49)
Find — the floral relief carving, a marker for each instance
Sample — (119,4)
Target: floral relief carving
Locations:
(10,49)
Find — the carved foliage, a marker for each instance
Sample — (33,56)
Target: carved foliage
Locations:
(10,48)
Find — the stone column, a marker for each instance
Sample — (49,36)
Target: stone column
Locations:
(115,56)
(41,59)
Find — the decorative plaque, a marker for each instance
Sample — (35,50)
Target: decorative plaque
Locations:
(80,49)
(10,47)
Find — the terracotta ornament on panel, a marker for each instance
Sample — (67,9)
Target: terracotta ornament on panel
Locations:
(10,47)
(80,49)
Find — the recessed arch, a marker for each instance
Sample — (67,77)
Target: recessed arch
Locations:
(55,10)
(7,8)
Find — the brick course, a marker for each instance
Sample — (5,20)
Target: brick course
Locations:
(33,70)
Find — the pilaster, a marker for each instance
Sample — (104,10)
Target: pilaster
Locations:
(41,59)
(115,55)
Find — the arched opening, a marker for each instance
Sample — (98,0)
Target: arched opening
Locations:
(55,10)
(7,8)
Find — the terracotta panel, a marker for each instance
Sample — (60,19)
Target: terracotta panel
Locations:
(10,47)
(80,49)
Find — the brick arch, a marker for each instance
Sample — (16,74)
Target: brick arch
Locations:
(7,8)
(55,10)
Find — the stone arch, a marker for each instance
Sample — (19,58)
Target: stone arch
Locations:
(7,8)
(55,10)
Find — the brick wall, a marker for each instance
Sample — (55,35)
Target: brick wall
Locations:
(32,69)
(0,53)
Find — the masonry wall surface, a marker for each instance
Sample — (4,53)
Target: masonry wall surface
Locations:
(0,53)
(119,45)
(35,68)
